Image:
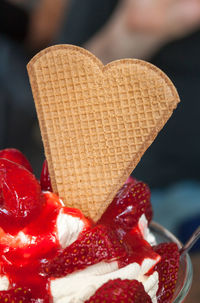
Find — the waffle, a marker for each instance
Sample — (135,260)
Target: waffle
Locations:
(96,121)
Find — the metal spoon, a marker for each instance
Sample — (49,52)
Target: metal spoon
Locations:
(192,240)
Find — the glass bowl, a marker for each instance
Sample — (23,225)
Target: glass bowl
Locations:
(185,270)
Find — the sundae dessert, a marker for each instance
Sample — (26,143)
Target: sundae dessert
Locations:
(53,253)
(81,233)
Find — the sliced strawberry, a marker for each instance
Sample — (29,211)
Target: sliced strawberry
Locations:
(20,196)
(16,295)
(45,180)
(16,156)
(96,245)
(167,269)
(126,291)
(132,200)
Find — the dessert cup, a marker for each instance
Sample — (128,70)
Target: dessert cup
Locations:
(185,270)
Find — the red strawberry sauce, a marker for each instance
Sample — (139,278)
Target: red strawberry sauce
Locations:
(21,262)
(28,231)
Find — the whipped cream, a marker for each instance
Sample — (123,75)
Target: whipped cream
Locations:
(81,285)
(68,228)
(150,284)
(143,227)
(4,283)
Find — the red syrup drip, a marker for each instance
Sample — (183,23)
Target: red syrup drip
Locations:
(138,249)
(45,180)
(21,262)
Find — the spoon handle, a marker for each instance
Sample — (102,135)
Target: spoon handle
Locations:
(192,240)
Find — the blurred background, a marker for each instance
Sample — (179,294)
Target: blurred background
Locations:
(166,33)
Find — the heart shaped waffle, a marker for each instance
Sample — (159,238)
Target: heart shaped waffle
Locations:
(96,121)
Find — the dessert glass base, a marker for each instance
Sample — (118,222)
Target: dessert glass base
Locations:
(185,270)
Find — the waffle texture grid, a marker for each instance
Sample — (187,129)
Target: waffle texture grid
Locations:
(96,121)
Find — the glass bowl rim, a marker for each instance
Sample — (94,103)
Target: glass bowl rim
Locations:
(187,282)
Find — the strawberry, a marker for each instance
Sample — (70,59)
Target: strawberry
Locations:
(16,295)
(20,196)
(132,200)
(167,269)
(95,245)
(45,180)
(16,156)
(126,291)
